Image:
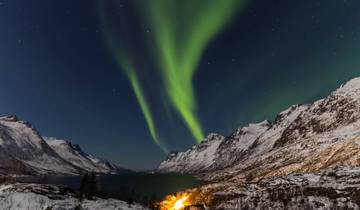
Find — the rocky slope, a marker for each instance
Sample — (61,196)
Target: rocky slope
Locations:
(336,188)
(304,139)
(23,151)
(35,196)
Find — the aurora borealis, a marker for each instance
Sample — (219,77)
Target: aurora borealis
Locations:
(130,80)
(126,61)
(180,32)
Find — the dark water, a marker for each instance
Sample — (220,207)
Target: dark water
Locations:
(136,185)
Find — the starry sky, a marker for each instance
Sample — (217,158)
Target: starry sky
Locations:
(130,80)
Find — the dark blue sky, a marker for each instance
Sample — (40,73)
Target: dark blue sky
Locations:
(57,73)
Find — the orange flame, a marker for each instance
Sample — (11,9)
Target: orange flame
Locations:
(175,202)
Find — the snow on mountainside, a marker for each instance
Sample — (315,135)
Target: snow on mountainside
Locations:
(23,151)
(198,158)
(74,154)
(228,150)
(297,134)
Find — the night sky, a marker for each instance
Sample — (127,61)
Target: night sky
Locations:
(130,79)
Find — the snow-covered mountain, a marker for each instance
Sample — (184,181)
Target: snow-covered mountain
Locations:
(296,136)
(23,151)
(77,157)
(304,139)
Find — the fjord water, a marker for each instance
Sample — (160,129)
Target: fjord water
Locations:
(137,185)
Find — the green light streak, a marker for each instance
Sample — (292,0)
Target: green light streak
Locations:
(131,74)
(124,60)
(143,105)
(182,30)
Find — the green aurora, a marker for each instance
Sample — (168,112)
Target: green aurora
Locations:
(180,31)
(124,59)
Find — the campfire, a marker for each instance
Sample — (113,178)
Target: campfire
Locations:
(189,200)
(176,202)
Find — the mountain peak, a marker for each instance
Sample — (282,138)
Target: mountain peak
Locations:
(253,127)
(10,118)
(212,137)
(350,88)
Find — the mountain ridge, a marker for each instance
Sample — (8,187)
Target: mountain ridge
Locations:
(298,121)
(23,151)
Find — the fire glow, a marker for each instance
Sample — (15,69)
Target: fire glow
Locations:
(175,202)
